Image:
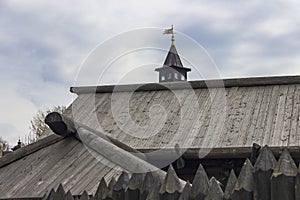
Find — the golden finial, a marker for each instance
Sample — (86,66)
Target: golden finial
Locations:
(170,31)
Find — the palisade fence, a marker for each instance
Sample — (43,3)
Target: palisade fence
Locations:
(267,179)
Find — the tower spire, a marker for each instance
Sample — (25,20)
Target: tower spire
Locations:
(172,69)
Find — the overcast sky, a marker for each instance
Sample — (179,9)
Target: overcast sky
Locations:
(44,43)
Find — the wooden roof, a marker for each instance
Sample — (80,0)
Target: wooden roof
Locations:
(254,110)
(33,170)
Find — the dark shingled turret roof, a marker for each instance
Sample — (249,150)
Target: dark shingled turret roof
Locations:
(173,58)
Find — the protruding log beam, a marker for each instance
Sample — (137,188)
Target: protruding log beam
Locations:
(60,125)
(283,178)
(230,185)
(200,184)
(243,188)
(64,126)
(263,169)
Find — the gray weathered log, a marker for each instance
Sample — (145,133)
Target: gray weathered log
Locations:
(154,193)
(102,190)
(64,126)
(69,196)
(254,153)
(263,169)
(120,186)
(283,178)
(230,185)
(134,186)
(108,195)
(51,194)
(200,184)
(297,184)
(243,188)
(147,185)
(60,193)
(215,191)
(84,196)
(185,194)
(171,186)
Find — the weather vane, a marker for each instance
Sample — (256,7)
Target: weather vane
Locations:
(170,31)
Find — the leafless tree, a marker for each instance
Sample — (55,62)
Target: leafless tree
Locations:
(38,128)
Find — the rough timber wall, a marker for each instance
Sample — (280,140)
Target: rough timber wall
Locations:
(261,114)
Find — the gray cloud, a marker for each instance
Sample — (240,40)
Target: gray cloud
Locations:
(43,44)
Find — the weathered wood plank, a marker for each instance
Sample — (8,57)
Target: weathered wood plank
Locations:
(120,186)
(185,194)
(134,186)
(283,178)
(230,185)
(200,184)
(215,192)
(171,186)
(243,188)
(263,169)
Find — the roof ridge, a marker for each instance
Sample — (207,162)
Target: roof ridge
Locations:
(29,149)
(211,83)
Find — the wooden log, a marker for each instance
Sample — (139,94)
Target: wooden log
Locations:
(109,193)
(180,163)
(51,194)
(200,184)
(254,153)
(60,193)
(120,186)
(171,186)
(147,185)
(134,186)
(263,170)
(64,126)
(185,194)
(230,185)
(215,191)
(84,196)
(60,125)
(297,184)
(102,190)
(118,156)
(69,196)
(154,193)
(243,188)
(283,178)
